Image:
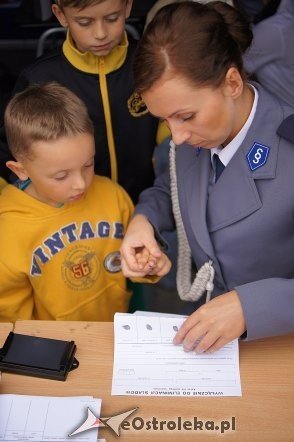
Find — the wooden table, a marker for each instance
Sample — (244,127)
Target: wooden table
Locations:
(265,412)
(5,328)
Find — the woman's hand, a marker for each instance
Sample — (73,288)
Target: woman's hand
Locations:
(213,325)
(139,251)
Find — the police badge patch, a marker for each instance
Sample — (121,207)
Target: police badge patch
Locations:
(257,156)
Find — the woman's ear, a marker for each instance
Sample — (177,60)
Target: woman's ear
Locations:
(18,169)
(59,14)
(234,83)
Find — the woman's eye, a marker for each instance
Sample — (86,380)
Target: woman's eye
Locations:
(187,117)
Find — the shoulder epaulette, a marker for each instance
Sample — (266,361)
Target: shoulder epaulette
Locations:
(286,129)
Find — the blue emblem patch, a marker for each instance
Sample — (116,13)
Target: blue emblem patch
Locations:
(257,156)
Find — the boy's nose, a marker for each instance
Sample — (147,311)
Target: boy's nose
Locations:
(79,183)
(99,31)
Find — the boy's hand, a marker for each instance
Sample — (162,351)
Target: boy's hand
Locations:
(151,265)
(139,236)
(145,260)
(161,267)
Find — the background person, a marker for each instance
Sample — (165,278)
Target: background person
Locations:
(271,56)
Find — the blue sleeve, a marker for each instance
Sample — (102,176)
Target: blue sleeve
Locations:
(155,203)
(268,307)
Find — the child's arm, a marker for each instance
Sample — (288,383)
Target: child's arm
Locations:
(16,298)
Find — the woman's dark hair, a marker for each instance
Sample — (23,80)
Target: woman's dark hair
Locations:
(198,41)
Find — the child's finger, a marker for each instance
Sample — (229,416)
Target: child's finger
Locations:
(162,267)
(138,259)
(148,266)
(143,265)
(145,257)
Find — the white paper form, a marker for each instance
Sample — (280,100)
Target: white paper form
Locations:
(146,363)
(44,419)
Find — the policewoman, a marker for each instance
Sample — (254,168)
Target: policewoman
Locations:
(229,190)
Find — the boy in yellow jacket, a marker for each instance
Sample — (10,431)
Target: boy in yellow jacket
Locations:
(95,63)
(62,227)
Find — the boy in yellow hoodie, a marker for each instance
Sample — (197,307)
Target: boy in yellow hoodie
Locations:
(62,227)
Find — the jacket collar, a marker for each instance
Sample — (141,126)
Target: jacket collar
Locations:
(90,63)
(229,203)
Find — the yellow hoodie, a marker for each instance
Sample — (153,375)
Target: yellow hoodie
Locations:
(59,263)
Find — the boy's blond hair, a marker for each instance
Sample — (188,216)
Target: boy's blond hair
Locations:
(44,113)
(80,4)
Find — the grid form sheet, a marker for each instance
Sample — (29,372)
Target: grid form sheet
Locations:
(146,363)
(44,419)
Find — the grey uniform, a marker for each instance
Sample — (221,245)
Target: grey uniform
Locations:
(245,222)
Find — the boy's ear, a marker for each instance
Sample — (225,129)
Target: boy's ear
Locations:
(18,169)
(128,8)
(59,15)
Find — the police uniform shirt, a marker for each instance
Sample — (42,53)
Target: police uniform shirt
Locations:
(225,154)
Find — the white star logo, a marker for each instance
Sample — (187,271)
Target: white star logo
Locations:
(112,422)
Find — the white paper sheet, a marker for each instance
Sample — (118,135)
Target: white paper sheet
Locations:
(147,363)
(44,419)
(160,314)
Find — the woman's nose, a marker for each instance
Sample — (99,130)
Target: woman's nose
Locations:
(179,136)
